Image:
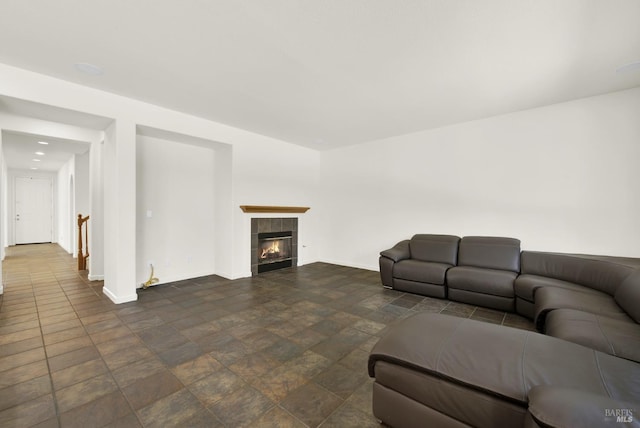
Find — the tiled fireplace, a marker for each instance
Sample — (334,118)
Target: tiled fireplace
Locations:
(274,243)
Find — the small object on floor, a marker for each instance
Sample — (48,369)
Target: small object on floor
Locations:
(151,281)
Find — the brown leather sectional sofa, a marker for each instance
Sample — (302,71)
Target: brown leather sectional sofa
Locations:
(438,370)
(434,370)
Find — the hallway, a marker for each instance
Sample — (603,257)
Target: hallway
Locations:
(41,315)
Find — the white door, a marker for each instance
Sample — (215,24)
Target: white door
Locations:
(33,219)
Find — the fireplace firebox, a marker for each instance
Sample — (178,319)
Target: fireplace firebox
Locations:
(274,251)
(274,244)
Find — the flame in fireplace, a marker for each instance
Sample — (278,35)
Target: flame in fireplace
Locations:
(274,248)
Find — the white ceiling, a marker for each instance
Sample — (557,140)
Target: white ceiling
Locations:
(19,147)
(333,72)
(20,151)
(16,107)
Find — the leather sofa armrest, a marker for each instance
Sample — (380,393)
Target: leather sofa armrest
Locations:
(552,406)
(398,252)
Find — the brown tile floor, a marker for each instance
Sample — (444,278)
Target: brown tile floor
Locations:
(285,349)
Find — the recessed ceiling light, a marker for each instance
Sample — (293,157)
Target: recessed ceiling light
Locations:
(36,160)
(40,153)
(44,143)
(87,68)
(634,66)
(33,167)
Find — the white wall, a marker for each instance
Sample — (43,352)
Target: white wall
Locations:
(72,199)
(223,211)
(120,211)
(175,185)
(4,178)
(64,199)
(96,211)
(81,198)
(82,182)
(560,178)
(3,209)
(254,171)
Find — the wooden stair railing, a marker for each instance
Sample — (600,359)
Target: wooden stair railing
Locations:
(82,259)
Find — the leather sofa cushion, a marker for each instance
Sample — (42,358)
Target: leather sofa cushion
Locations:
(551,298)
(435,248)
(628,296)
(597,272)
(552,406)
(490,252)
(501,361)
(480,280)
(613,336)
(415,270)
(526,286)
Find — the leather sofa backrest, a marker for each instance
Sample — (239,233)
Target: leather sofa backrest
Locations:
(490,252)
(435,248)
(599,273)
(628,296)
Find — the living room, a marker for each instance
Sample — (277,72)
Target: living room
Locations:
(536,139)
(550,173)
(509,175)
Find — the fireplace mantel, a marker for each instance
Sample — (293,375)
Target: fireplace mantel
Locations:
(272,209)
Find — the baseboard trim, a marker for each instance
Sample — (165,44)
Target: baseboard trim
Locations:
(241,275)
(117,300)
(95,277)
(353,265)
(177,278)
(225,275)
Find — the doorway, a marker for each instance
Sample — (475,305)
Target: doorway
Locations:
(33,210)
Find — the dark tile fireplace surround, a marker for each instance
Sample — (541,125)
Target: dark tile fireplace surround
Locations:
(270,227)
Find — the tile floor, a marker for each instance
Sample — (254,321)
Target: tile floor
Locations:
(284,349)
